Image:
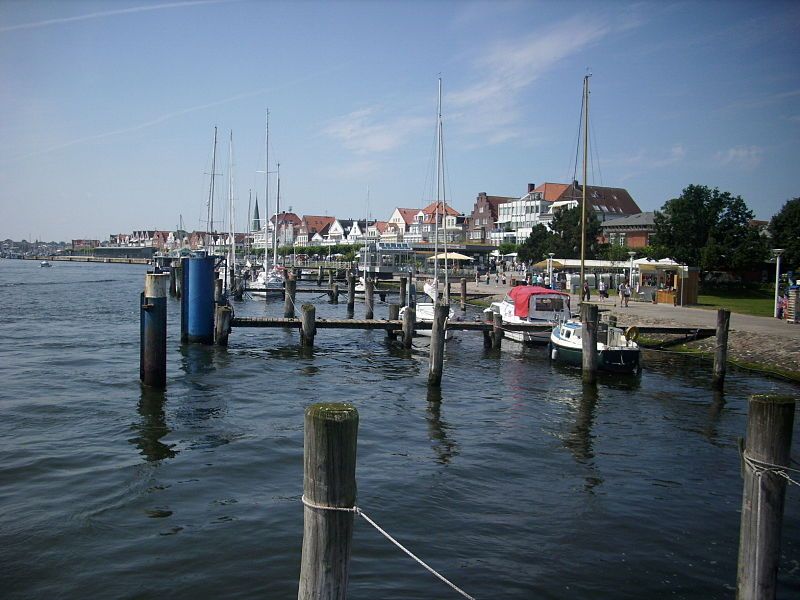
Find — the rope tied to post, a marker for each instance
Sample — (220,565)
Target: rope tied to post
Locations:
(760,467)
(359,512)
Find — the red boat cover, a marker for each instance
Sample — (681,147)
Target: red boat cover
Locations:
(521,295)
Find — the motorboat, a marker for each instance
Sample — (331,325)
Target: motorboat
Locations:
(531,304)
(45,263)
(617,350)
(424,311)
(267,282)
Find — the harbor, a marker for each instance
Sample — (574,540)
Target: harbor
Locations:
(511,479)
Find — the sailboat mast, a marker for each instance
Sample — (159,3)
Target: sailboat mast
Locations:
(585,161)
(266,192)
(277,208)
(438,187)
(232,248)
(210,220)
(441,185)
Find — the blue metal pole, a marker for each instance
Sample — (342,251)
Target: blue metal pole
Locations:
(153,332)
(200,300)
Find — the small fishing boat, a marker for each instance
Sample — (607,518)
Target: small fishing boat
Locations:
(45,263)
(531,304)
(617,350)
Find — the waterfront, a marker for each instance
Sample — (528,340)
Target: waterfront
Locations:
(514,482)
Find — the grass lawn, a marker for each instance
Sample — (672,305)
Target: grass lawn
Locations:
(758,302)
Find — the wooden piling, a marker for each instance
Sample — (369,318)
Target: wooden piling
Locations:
(440,314)
(289,297)
(153,331)
(769,439)
(173,281)
(329,480)
(394,314)
(403,290)
(335,294)
(409,317)
(319,276)
(308,329)
(721,352)
(612,322)
(222,325)
(218,291)
(369,298)
(589,342)
(497,330)
(351,292)
(464,294)
(330,278)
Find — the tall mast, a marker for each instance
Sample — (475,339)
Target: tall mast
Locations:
(210,220)
(232,248)
(585,160)
(438,187)
(441,185)
(266,192)
(249,217)
(277,208)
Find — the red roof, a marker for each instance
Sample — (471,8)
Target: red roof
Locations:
(431,209)
(408,214)
(521,295)
(552,191)
(315,224)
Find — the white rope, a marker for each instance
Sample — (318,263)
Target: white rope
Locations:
(759,467)
(358,511)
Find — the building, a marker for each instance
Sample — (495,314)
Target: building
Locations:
(483,218)
(82,245)
(313,230)
(633,231)
(424,226)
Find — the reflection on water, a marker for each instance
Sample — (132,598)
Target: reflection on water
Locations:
(579,439)
(445,448)
(714,414)
(197,358)
(152,426)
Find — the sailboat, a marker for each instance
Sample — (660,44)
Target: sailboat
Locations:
(616,351)
(425,310)
(269,280)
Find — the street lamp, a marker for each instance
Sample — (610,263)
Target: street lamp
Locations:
(550,266)
(630,274)
(777,253)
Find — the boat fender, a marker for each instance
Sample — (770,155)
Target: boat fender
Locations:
(632,333)
(553,352)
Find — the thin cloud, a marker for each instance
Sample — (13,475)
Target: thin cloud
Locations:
(365,131)
(741,156)
(644,160)
(109,13)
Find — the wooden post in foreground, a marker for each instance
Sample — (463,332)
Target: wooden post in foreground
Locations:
(319,276)
(308,328)
(409,317)
(289,296)
(403,289)
(769,440)
(721,352)
(440,314)
(497,330)
(153,331)
(369,298)
(589,340)
(218,291)
(612,322)
(335,294)
(329,480)
(351,292)
(463,293)
(222,325)
(330,278)
(394,314)
(173,279)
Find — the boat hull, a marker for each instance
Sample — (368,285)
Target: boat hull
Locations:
(610,360)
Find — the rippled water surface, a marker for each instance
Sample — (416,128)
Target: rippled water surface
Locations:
(513,481)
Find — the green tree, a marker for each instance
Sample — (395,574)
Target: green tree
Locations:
(507,248)
(708,228)
(785,230)
(615,252)
(539,243)
(566,226)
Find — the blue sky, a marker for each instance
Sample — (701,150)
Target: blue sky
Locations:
(108,108)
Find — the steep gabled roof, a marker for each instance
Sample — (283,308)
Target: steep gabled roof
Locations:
(608,200)
(315,224)
(431,209)
(408,214)
(552,191)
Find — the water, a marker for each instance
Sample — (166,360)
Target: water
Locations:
(514,482)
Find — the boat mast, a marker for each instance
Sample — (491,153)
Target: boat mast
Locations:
(210,219)
(440,185)
(266,193)
(585,157)
(232,248)
(277,208)
(436,210)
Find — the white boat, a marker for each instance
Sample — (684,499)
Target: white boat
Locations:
(267,282)
(531,304)
(617,350)
(45,263)
(425,310)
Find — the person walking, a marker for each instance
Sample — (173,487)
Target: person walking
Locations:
(602,290)
(587,293)
(626,294)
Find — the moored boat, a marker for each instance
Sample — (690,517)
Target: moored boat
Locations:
(531,304)
(617,350)
(45,263)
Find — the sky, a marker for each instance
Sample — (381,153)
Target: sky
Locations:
(108,109)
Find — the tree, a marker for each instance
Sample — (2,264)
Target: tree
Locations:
(615,252)
(785,230)
(539,243)
(566,225)
(708,228)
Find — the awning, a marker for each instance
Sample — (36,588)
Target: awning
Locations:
(544,264)
(450,256)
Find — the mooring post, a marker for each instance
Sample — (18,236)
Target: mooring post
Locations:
(218,291)
(184,298)
(153,331)
(403,289)
(307,326)
(612,322)
(179,287)
(369,298)
(222,325)
(319,276)
(329,480)
(200,300)
(497,330)
(721,352)
(440,314)
(351,292)
(335,294)
(288,301)
(330,277)
(464,294)
(173,290)
(394,315)
(768,447)
(589,342)
(409,317)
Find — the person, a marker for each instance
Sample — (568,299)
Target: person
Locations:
(620,289)
(602,290)
(487,276)
(626,294)
(496,279)
(477,276)
(587,293)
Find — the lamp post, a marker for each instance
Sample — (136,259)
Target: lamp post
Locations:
(630,274)
(777,253)
(550,267)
